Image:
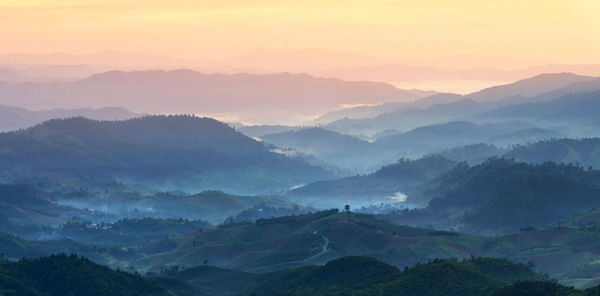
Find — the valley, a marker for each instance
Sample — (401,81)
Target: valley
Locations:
(299,148)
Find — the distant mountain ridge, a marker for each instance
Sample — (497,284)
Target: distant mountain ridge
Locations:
(252,97)
(13,118)
(357,155)
(486,105)
(362,112)
(340,150)
(529,87)
(580,108)
(319,62)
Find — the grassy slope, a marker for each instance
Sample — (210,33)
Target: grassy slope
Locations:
(287,242)
(290,241)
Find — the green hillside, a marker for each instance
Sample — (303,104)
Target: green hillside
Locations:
(280,243)
(294,241)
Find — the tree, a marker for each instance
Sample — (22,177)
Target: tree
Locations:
(347,209)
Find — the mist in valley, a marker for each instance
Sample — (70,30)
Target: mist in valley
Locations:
(236,149)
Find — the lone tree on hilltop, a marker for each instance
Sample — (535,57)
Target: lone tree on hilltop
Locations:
(347,209)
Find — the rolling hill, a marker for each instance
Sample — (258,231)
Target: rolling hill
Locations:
(472,154)
(28,211)
(404,119)
(303,240)
(579,108)
(406,176)
(380,186)
(257,131)
(357,155)
(367,276)
(293,241)
(169,152)
(573,88)
(566,253)
(585,152)
(343,151)
(353,275)
(502,196)
(440,137)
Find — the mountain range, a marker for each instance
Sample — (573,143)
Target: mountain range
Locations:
(529,87)
(266,98)
(483,106)
(407,177)
(423,183)
(317,62)
(354,154)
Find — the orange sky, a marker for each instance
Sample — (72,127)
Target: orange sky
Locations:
(515,33)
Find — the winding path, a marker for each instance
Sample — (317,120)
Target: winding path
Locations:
(323,251)
(324,247)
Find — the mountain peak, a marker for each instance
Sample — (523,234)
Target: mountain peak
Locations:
(529,87)
(557,76)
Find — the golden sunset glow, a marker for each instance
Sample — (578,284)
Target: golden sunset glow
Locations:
(503,34)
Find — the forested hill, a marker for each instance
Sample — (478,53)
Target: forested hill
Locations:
(341,150)
(502,195)
(384,182)
(585,152)
(173,152)
(367,276)
(61,275)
